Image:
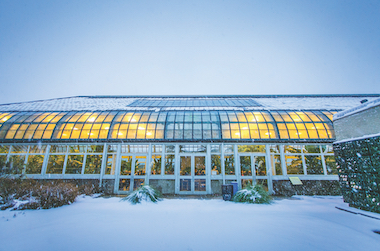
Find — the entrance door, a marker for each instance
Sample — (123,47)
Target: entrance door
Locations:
(253,169)
(192,174)
(131,172)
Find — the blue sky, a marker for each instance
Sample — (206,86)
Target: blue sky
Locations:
(52,49)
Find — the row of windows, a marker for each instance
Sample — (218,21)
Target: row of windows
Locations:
(88,159)
(177,125)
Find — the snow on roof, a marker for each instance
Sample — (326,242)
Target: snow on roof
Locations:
(267,102)
(356,109)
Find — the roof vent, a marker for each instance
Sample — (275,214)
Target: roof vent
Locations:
(363,101)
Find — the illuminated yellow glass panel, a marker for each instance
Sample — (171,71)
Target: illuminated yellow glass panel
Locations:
(272,131)
(101,117)
(30,131)
(94,134)
(300,126)
(159,134)
(295,117)
(144,117)
(263,126)
(329,115)
(264,134)
(21,131)
(11,132)
(277,117)
(41,117)
(253,126)
(57,118)
(330,130)
(303,116)
(85,116)
(132,126)
(286,117)
(58,133)
(226,134)
(267,116)
(250,117)
(48,132)
(319,126)
(241,117)
(235,134)
(5,118)
(290,126)
(234,126)
(39,131)
(76,131)
(323,134)
(127,117)
(75,117)
(153,117)
(131,133)
(283,134)
(85,133)
(303,134)
(135,118)
(255,134)
(312,134)
(259,117)
(244,130)
(49,117)
(114,131)
(281,126)
(312,116)
(293,134)
(150,134)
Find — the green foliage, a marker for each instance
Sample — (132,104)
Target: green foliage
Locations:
(144,193)
(253,194)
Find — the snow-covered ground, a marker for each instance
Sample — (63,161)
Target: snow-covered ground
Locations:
(301,223)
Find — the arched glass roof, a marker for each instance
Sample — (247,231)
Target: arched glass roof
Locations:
(168,125)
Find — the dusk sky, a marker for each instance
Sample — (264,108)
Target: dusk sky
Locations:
(51,49)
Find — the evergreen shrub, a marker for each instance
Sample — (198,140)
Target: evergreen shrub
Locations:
(144,193)
(253,194)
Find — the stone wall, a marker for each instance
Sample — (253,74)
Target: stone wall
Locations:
(164,186)
(358,164)
(309,187)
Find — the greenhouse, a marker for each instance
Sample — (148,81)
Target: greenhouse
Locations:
(178,144)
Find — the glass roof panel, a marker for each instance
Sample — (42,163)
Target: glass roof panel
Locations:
(196,102)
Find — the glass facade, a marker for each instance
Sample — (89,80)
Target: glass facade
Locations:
(167,126)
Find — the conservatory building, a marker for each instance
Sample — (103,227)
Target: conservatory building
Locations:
(178,144)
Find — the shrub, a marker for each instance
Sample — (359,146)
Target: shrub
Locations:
(31,194)
(144,193)
(253,194)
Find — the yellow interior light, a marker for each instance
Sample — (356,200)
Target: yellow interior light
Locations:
(245,128)
(75,128)
(120,133)
(5,119)
(91,119)
(149,133)
(237,133)
(141,128)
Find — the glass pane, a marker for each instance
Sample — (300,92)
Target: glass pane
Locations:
(124,184)
(138,183)
(311,149)
(293,149)
(156,164)
(3,160)
(276,165)
(4,149)
(260,166)
(19,149)
(294,164)
(246,182)
(95,149)
(55,164)
(330,165)
(77,148)
(185,167)
(251,148)
(16,163)
(169,164)
(140,165)
(111,163)
(37,149)
(34,164)
(200,168)
(229,165)
(93,164)
(199,185)
(313,164)
(74,164)
(185,185)
(215,165)
(126,165)
(245,166)
(58,149)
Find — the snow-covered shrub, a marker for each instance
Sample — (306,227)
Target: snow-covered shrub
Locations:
(144,193)
(30,194)
(253,194)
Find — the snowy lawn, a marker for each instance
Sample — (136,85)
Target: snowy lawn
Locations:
(304,223)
